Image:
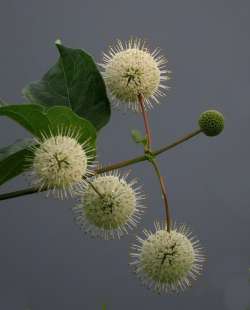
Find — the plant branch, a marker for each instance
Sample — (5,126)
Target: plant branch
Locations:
(138,159)
(122,164)
(22,192)
(177,142)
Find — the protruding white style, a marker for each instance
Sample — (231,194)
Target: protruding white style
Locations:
(109,206)
(130,70)
(167,262)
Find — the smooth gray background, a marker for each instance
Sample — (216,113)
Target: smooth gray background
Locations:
(45,261)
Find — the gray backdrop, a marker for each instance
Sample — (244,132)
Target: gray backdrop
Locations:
(45,261)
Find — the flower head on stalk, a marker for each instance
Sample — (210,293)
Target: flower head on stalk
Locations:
(130,70)
(60,162)
(167,261)
(111,209)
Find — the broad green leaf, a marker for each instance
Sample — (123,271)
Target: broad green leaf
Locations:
(13,159)
(74,81)
(30,116)
(39,121)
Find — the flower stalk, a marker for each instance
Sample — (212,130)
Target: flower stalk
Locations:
(146,122)
(151,159)
(164,194)
(93,187)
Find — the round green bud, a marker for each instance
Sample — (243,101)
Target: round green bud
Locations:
(211,122)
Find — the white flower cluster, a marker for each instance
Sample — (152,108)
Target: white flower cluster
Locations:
(109,206)
(59,163)
(130,69)
(167,261)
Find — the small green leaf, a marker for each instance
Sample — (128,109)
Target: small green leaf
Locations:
(137,137)
(13,159)
(75,82)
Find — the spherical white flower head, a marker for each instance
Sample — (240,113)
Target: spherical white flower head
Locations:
(131,70)
(167,262)
(109,210)
(59,163)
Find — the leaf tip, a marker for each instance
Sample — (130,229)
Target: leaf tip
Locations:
(58,42)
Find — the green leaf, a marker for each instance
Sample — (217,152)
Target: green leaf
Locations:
(30,116)
(138,138)
(39,121)
(74,81)
(136,135)
(13,159)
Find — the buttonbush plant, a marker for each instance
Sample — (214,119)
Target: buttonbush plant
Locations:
(65,112)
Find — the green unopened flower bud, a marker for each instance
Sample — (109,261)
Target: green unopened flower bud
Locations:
(211,122)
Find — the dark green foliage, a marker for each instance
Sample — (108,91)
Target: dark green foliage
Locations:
(71,95)
(75,82)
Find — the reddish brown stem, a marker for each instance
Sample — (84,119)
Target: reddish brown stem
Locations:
(157,169)
(164,194)
(146,121)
